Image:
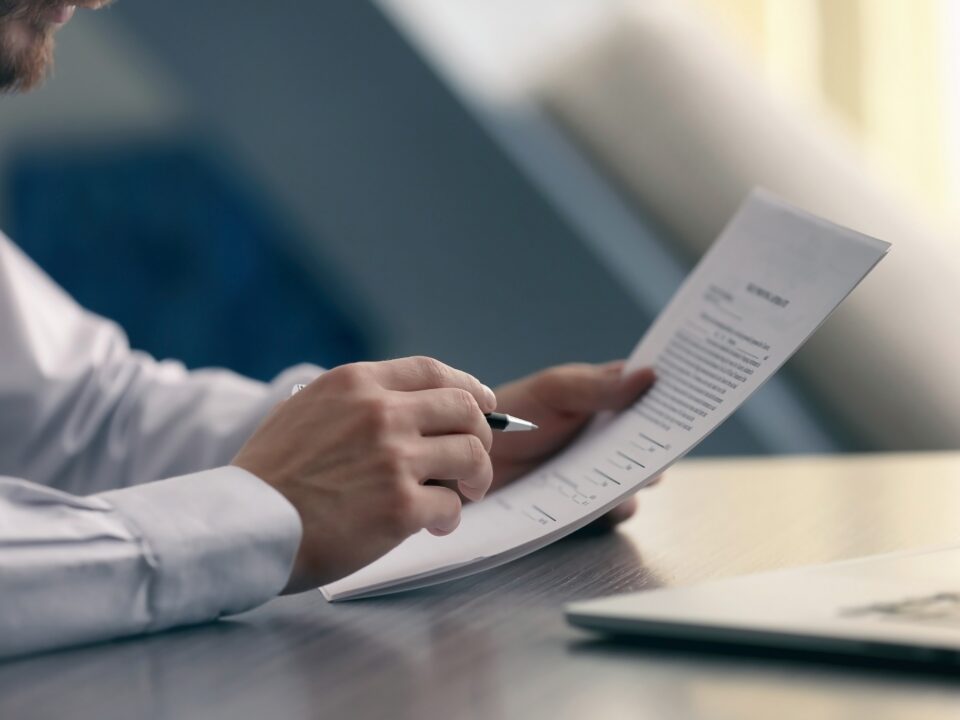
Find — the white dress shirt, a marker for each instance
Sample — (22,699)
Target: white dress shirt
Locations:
(118,511)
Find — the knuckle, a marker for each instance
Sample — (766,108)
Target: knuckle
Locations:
(476,452)
(347,377)
(434,371)
(378,414)
(486,437)
(451,512)
(465,401)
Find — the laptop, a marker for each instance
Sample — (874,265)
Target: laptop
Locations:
(902,607)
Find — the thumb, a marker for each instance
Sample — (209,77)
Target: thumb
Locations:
(626,389)
(587,389)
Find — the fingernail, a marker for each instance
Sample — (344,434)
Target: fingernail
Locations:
(450,528)
(473,493)
(491,397)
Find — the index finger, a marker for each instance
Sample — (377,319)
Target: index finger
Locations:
(423,373)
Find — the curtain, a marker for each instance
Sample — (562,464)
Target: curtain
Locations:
(888,69)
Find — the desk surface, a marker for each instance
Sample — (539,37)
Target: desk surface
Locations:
(496,645)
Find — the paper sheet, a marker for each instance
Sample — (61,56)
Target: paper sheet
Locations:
(772,277)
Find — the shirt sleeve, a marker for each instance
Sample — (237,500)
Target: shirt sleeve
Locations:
(82,412)
(129,518)
(140,559)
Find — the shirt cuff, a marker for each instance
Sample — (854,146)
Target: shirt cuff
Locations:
(281,386)
(215,543)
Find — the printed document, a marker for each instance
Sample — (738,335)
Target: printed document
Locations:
(767,283)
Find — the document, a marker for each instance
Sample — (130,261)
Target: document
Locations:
(768,282)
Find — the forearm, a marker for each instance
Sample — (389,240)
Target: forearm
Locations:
(163,422)
(179,551)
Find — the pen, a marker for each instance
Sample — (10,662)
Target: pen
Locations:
(496,421)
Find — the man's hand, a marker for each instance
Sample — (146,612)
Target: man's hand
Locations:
(561,401)
(352,452)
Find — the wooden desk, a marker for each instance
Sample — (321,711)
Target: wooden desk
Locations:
(496,645)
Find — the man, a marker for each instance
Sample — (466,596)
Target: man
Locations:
(150,498)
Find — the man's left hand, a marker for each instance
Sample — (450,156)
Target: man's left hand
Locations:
(561,400)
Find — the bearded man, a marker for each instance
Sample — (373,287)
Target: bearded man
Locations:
(136,496)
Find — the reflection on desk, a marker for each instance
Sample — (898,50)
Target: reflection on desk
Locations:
(496,645)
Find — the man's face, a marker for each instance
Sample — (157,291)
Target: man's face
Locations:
(26,38)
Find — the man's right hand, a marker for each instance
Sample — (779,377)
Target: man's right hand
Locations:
(352,452)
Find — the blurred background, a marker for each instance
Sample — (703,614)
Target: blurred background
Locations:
(503,184)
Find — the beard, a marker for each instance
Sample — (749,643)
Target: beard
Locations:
(26,54)
(26,40)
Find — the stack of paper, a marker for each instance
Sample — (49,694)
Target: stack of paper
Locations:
(772,278)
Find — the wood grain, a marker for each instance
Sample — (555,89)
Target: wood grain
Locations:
(496,646)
